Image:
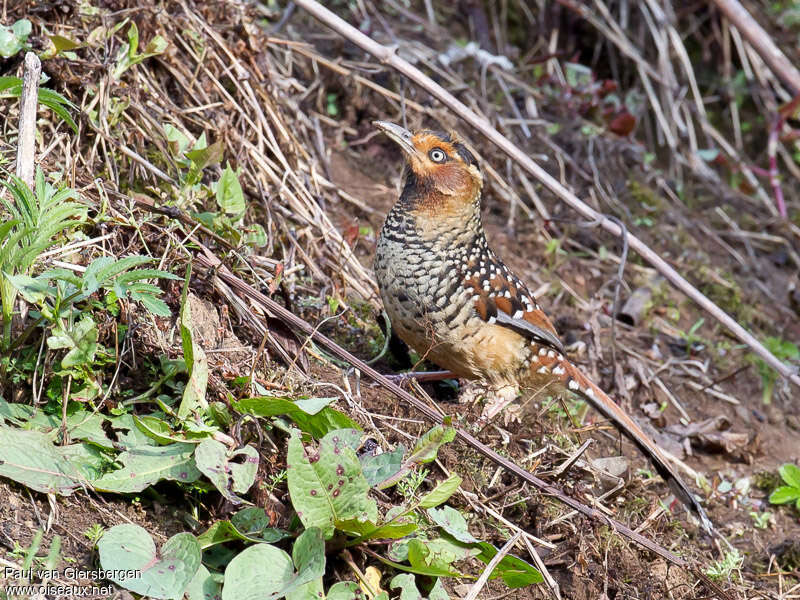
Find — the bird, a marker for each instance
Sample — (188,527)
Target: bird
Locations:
(456,303)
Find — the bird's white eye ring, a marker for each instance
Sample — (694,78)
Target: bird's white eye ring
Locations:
(437,155)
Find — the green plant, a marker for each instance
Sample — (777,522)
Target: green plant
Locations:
(36,217)
(723,568)
(409,486)
(691,337)
(94,533)
(12,88)
(129,56)
(760,520)
(791,491)
(782,350)
(13,39)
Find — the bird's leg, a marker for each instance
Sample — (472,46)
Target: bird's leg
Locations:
(499,399)
(402,379)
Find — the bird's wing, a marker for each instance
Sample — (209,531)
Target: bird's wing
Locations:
(500,297)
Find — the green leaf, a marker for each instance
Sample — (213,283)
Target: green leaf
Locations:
(222,532)
(34,290)
(784,494)
(30,458)
(408,588)
(514,571)
(204,156)
(163,574)
(790,475)
(327,485)
(419,565)
(395,530)
(438,553)
(219,464)
(146,465)
(441,493)
(229,192)
(194,394)
(344,590)
(428,445)
(63,44)
(257,573)
(407,584)
(81,339)
(203,586)
(381,469)
(315,421)
(12,39)
(128,56)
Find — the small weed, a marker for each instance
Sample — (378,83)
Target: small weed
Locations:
(791,491)
(722,569)
(760,520)
(94,533)
(784,351)
(409,486)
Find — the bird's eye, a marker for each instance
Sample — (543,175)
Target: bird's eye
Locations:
(437,155)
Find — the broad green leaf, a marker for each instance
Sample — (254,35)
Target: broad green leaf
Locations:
(203,586)
(308,555)
(790,475)
(421,568)
(381,469)
(157,429)
(441,493)
(34,290)
(428,445)
(226,531)
(81,339)
(326,485)
(18,414)
(311,415)
(229,192)
(88,459)
(453,522)
(12,39)
(514,571)
(257,573)
(408,588)
(146,465)
(784,494)
(370,531)
(207,155)
(407,584)
(438,592)
(194,394)
(81,425)
(165,573)
(219,464)
(438,553)
(63,44)
(129,436)
(30,458)
(345,590)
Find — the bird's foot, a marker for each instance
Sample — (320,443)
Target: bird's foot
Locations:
(499,399)
(403,379)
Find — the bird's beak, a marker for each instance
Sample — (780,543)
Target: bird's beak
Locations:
(397,134)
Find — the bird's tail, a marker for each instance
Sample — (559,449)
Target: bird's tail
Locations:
(573,379)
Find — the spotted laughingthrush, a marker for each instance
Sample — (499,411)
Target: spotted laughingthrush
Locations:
(451,299)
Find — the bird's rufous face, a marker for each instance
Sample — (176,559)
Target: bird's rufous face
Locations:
(440,160)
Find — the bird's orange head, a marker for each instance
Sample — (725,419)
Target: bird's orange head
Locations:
(441,172)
